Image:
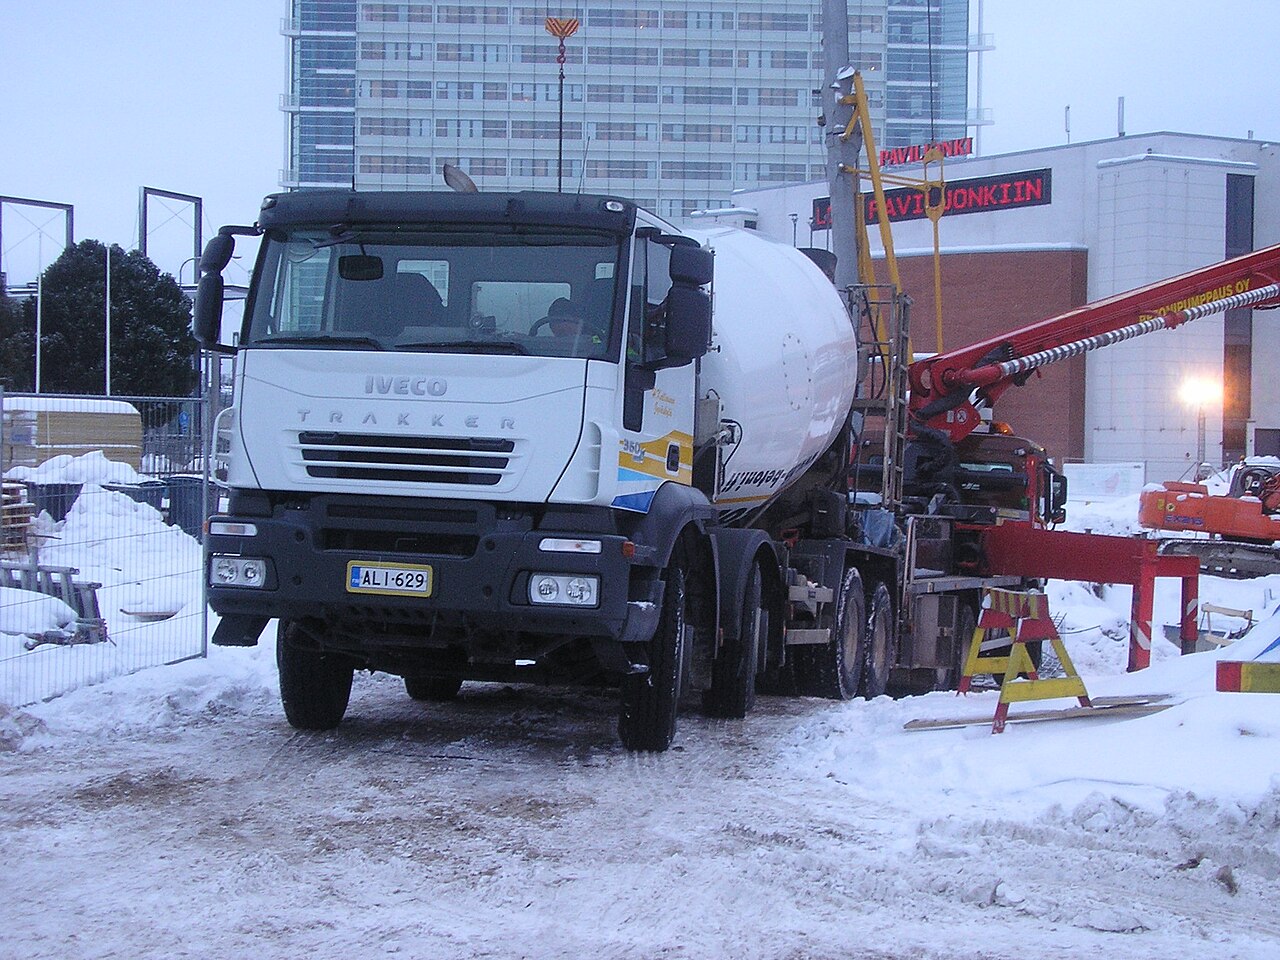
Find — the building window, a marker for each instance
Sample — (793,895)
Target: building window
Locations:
(531,167)
(372,51)
(419,13)
(380,89)
(696,57)
(380,12)
(393,164)
(773,172)
(634,19)
(624,56)
(417,89)
(789,59)
(495,91)
(487,166)
(544,130)
(450,90)
(696,20)
(543,53)
(790,22)
(695,170)
(471,52)
(697,132)
(545,92)
(698,95)
(624,131)
(621,169)
(493,129)
(384,126)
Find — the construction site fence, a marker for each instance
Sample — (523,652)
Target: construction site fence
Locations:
(101,556)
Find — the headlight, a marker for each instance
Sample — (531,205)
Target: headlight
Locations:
(564,589)
(238,572)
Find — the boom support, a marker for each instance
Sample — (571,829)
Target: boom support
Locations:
(943,386)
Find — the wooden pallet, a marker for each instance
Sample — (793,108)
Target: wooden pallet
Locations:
(1100,707)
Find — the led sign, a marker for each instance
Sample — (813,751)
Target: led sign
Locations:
(1005,191)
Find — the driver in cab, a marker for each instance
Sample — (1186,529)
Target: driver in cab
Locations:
(565,321)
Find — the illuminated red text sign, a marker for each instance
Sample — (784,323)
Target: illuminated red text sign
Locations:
(1005,191)
(895,156)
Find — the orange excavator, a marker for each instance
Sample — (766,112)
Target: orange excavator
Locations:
(1242,525)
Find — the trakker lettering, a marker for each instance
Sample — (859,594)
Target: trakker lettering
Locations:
(896,156)
(1008,191)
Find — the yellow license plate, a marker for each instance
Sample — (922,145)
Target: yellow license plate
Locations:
(393,579)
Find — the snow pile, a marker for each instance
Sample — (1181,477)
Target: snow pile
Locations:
(27,612)
(91,467)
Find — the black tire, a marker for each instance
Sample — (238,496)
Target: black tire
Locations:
(439,689)
(315,686)
(733,672)
(650,700)
(880,642)
(834,670)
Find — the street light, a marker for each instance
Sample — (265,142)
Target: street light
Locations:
(1199,393)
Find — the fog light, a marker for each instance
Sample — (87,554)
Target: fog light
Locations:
(564,589)
(238,572)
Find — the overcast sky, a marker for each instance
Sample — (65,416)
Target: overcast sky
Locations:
(101,97)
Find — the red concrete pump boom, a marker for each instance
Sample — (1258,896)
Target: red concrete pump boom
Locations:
(943,386)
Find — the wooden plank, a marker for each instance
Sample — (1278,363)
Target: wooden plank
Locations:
(1102,707)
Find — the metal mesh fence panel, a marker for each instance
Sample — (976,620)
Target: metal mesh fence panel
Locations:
(101,559)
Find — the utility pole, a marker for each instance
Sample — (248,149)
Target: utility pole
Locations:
(835,60)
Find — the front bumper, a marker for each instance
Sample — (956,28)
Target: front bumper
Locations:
(481,559)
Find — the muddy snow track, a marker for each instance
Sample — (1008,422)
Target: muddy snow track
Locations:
(511,824)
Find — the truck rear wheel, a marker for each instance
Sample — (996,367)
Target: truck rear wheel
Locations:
(315,686)
(733,672)
(835,669)
(649,700)
(439,689)
(879,643)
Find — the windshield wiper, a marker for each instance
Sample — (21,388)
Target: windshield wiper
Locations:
(346,340)
(466,346)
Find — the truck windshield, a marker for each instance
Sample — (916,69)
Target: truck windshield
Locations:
(489,289)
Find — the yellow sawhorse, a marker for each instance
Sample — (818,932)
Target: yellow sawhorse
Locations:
(1025,615)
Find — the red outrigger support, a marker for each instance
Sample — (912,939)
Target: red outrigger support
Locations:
(1021,549)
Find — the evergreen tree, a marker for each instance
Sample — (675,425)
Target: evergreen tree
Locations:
(152,350)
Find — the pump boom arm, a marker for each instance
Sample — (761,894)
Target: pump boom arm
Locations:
(942,386)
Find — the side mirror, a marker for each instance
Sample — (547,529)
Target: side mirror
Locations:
(690,264)
(217,253)
(688,323)
(206,315)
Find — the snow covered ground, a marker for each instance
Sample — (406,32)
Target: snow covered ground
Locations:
(173,813)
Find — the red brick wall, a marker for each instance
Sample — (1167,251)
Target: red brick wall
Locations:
(987,294)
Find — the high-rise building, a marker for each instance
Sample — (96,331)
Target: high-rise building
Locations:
(675,103)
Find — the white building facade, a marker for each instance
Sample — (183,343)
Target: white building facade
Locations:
(673,103)
(1144,208)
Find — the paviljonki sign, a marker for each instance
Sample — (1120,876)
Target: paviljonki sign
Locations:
(1004,191)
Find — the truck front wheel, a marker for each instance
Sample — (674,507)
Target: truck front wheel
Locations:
(649,700)
(733,672)
(315,686)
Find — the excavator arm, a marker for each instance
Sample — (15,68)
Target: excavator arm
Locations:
(947,389)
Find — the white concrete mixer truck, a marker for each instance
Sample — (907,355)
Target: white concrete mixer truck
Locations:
(550,437)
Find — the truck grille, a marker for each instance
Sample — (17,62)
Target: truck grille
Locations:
(460,461)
